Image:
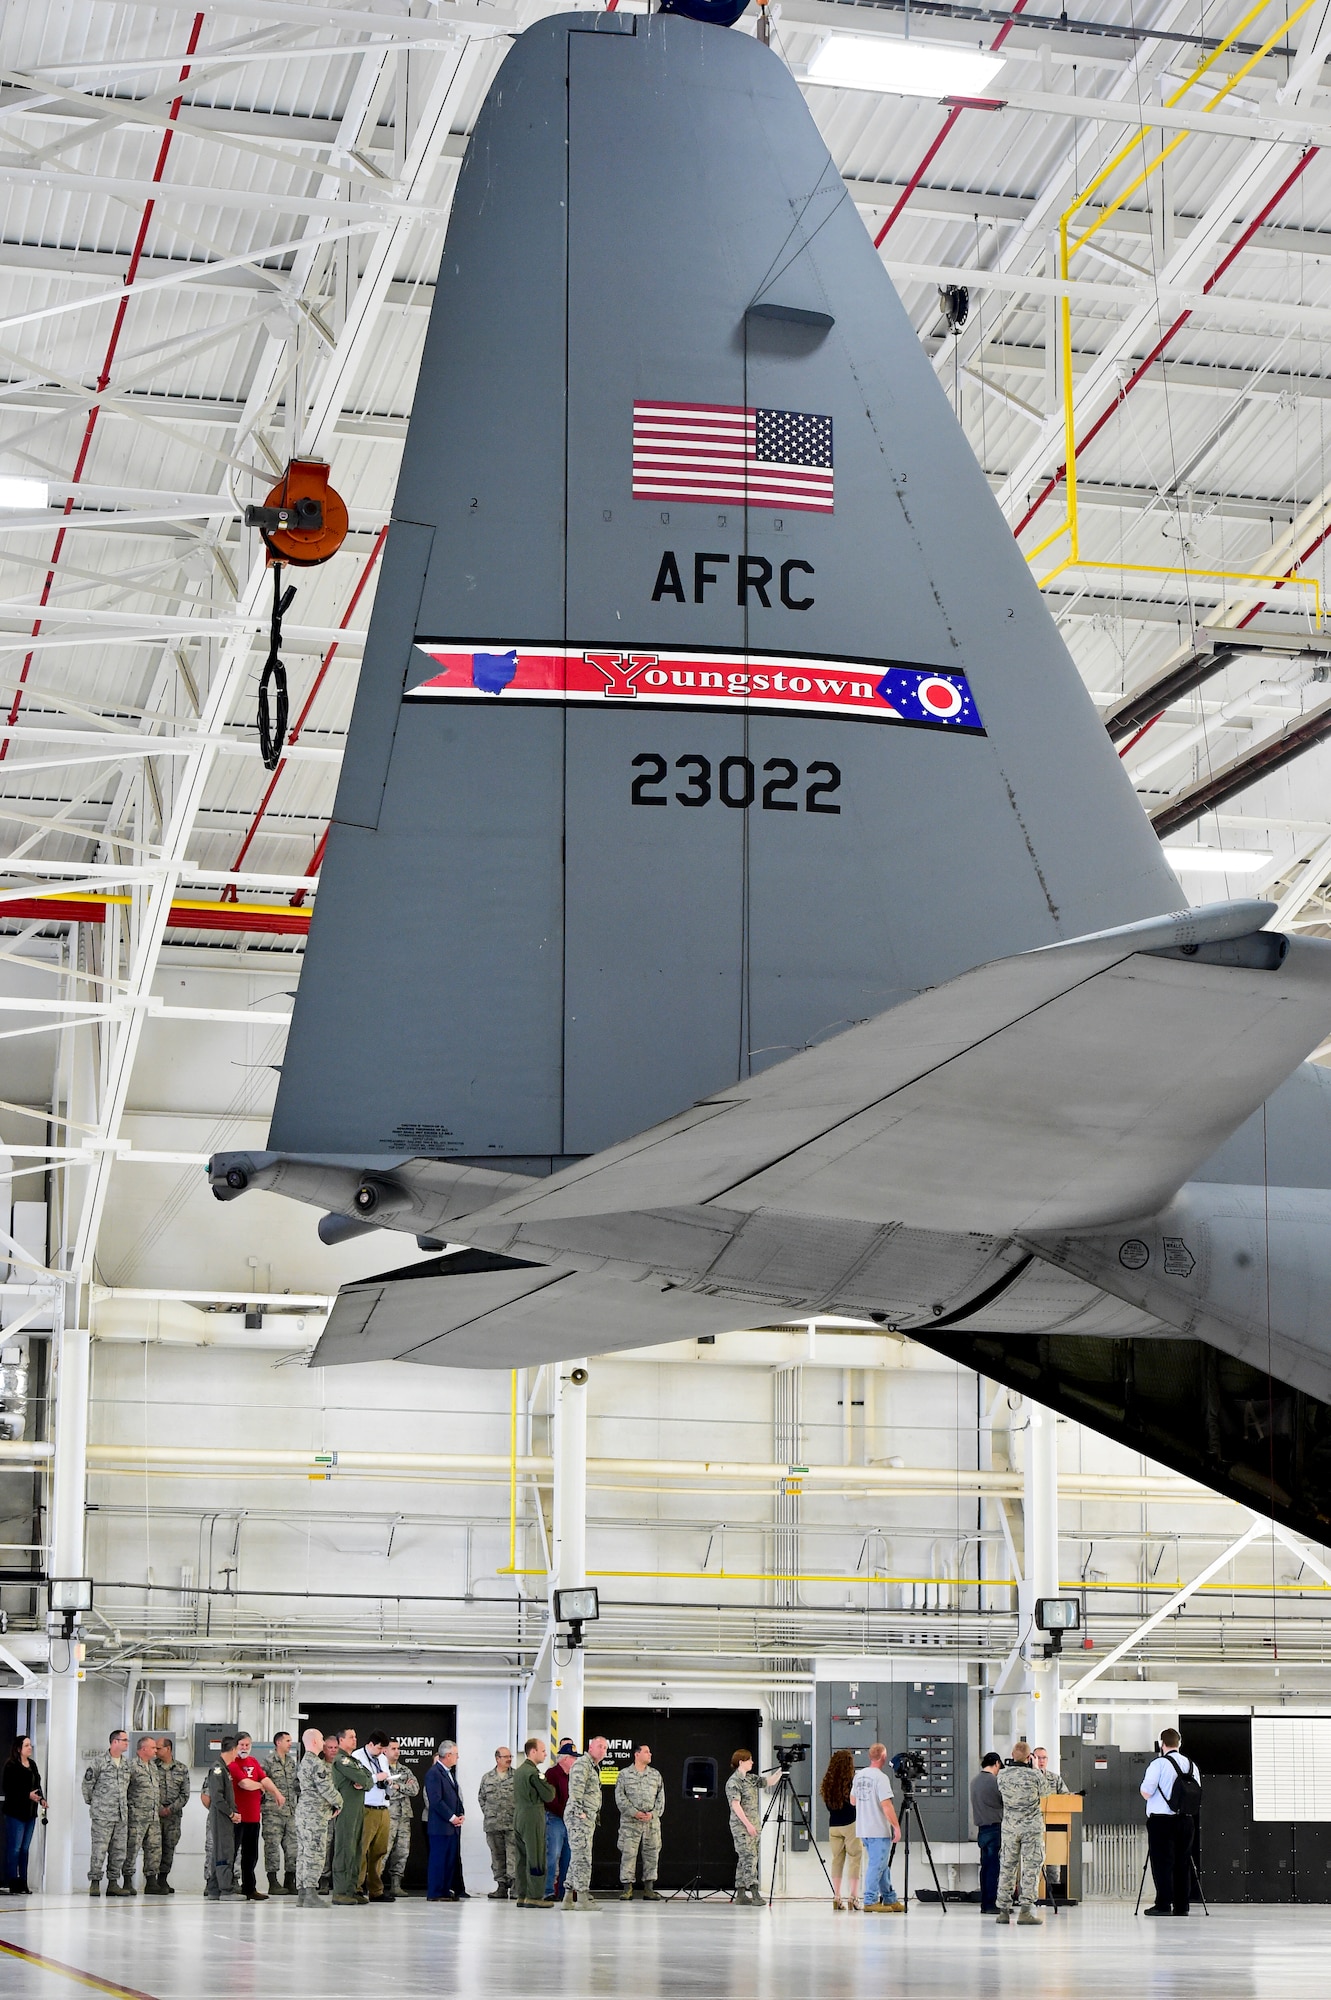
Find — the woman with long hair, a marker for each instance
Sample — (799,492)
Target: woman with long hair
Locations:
(23,1800)
(847,1852)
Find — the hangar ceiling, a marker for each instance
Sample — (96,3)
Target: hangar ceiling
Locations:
(222,233)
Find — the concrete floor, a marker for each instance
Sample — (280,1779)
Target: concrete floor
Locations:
(187,1950)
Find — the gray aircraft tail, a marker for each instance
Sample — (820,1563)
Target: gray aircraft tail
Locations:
(708,705)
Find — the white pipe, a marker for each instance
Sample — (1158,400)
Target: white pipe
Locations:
(568,1566)
(1041,1506)
(72,1352)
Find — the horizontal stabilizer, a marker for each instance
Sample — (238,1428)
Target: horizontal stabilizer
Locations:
(1058,1089)
(473,1310)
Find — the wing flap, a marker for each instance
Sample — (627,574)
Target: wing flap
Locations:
(1054,1090)
(517,1317)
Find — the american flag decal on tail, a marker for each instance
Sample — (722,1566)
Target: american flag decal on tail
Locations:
(712,452)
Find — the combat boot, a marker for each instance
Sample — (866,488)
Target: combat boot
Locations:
(626,1892)
(94,1888)
(757,1899)
(115,1889)
(651,1894)
(166,1888)
(128,1888)
(152,1886)
(499,1895)
(1026,1915)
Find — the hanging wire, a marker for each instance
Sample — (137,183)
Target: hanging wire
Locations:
(272,737)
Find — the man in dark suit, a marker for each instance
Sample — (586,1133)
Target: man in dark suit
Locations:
(444,1827)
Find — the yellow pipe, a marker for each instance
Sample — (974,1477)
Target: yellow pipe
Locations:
(1070,1584)
(1066,252)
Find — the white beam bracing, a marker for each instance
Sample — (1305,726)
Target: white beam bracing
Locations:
(1073,1694)
(154,901)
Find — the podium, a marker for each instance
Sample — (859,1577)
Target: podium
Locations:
(1057,1810)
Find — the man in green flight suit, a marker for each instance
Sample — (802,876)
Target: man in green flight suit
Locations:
(353,1780)
(531,1794)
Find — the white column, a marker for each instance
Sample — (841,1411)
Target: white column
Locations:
(1042,1570)
(568,1555)
(71,1351)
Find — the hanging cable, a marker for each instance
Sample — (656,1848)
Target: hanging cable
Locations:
(273,739)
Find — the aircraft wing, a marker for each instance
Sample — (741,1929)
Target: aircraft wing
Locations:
(1059,1089)
(469,1309)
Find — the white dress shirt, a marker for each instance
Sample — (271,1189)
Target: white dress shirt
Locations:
(377,1794)
(1159,1781)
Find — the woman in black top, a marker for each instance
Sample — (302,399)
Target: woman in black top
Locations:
(23,1801)
(847,1849)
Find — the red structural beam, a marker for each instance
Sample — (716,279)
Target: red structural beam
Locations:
(104,375)
(957,107)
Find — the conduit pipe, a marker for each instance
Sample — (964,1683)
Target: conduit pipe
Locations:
(184,1458)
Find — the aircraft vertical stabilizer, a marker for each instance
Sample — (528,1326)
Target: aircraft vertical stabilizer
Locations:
(708,705)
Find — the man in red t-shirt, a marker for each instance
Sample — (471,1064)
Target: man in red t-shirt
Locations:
(247,1775)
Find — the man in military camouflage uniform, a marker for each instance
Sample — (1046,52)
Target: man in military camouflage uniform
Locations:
(403,1787)
(105,1784)
(1022,1787)
(145,1821)
(173,1779)
(640,1798)
(498,1817)
(580,1816)
(318,1806)
(279,1821)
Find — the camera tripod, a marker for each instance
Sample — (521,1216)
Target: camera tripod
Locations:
(910,1810)
(1196,1883)
(782,1793)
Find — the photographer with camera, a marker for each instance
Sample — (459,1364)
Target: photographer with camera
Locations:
(878,1828)
(1021,1787)
(1172,1789)
(743,1798)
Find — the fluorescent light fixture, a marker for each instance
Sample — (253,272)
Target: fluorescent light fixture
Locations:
(1217,860)
(22,492)
(911,69)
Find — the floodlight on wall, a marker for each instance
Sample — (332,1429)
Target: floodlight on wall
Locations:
(67,1597)
(576,1608)
(908,69)
(16,492)
(1057,1615)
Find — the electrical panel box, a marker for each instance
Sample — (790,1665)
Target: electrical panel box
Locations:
(928,1717)
(208,1739)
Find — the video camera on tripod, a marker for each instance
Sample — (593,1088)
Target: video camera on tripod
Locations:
(910,1767)
(788,1754)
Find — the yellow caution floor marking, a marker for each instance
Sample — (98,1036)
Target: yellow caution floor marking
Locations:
(73,1972)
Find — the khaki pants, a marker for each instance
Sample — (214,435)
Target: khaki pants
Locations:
(374,1839)
(847,1853)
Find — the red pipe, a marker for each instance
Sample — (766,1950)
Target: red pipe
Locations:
(316,863)
(944,129)
(229,895)
(1144,367)
(104,376)
(183,916)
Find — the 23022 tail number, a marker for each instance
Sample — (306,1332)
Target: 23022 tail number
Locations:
(779,788)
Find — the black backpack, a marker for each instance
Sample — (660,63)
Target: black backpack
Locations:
(1185,1794)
